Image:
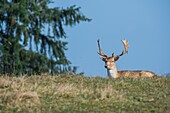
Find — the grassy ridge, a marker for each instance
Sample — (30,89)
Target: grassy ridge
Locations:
(40,94)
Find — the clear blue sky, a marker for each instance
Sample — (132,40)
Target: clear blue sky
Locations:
(144,23)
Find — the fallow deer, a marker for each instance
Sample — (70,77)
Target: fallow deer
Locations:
(110,64)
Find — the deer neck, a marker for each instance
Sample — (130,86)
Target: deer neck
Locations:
(112,72)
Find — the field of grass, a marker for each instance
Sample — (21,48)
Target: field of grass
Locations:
(46,94)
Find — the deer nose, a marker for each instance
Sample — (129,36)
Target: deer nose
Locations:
(105,66)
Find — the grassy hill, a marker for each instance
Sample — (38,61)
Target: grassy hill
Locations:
(45,94)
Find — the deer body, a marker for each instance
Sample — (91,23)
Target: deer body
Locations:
(110,65)
(136,74)
(113,73)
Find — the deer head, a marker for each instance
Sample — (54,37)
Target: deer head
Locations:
(110,61)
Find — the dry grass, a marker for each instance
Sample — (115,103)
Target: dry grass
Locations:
(42,94)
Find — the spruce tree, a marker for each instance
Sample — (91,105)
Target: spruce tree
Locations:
(31,36)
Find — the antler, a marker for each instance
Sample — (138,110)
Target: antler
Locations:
(126,46)
(100,50)
(104,57)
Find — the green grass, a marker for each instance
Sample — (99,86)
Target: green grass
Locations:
(45,94)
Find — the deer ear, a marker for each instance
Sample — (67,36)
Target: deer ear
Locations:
(104,59)
(116,58)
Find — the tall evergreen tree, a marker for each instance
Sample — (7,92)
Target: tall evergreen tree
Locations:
(29,24)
